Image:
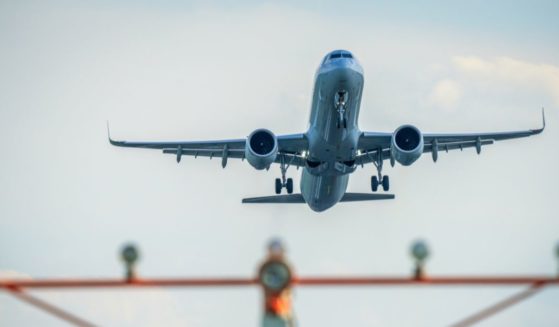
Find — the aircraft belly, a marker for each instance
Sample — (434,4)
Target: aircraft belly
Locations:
(324,191)
(331,144)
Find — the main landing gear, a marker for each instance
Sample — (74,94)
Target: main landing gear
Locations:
(340,100)
(284,182)
(379,179)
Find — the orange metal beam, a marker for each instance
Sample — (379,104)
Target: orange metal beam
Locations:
(303,281)
(49,308)
(106,283)
(498,307)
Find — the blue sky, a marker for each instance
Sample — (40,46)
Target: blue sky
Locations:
(202,71)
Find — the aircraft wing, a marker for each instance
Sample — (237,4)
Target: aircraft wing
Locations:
(290,148)
(373,143)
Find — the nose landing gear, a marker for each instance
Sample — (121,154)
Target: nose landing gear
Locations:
(340,100)
(379,179)
(284,182)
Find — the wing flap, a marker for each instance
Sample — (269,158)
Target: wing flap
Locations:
(239,154)
(456,145)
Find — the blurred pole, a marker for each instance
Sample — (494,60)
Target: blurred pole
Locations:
(130,255)
(420,253)
(275,278)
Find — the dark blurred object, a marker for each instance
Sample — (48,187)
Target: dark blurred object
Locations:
(130,255)
(275,276)
(420,253)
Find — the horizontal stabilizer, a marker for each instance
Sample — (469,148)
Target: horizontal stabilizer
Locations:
(298,198)
(350,197)
(288,198)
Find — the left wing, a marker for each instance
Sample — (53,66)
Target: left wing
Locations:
(290,148)
(373,144)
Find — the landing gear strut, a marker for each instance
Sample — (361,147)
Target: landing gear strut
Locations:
(284,182)
(340,100)
(379,179)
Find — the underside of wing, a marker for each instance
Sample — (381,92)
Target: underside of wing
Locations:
(376,146)
(289,148)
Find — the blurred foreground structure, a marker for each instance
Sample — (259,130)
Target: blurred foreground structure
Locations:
(276,278)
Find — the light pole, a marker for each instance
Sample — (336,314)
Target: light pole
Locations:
(275,278)
(420,253)
(130,255)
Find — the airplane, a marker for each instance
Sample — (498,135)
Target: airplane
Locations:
(333,146)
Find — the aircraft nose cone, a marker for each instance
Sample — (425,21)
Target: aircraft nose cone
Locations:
(341,67)
(342,62)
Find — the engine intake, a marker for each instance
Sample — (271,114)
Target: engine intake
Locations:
(406,145)
(261,148)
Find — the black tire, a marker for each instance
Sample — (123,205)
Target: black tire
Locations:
(374,183)
(289,186)
(278,186)
(385,183)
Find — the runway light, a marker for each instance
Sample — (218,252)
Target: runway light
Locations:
(130,255)
(275,277)
(420,252)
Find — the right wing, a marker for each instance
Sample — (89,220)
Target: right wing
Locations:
(290,148)
(375,144)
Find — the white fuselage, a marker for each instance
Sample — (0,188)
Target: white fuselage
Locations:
(332,145)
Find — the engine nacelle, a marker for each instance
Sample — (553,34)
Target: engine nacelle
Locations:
(261,148)
(406,145)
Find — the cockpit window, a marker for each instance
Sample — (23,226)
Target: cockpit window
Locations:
(335,55)
(347,55)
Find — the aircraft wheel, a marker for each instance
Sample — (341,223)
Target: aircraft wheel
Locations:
(374,183)
(385,183)
(278,186)
(289,185)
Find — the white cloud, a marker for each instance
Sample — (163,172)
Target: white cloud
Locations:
(493,86)
(510,71)
(446,94)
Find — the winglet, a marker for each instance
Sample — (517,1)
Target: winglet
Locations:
(539,130)
(113,142)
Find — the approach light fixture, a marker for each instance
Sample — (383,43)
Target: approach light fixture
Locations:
(130,255)
(420,252)
(275,276)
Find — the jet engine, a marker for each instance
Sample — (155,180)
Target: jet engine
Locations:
(406,145)
(261,148)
